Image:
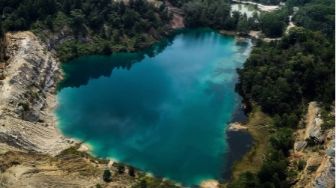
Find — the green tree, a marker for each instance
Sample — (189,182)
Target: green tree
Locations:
(272,25)
(107,176)
(282,140)
(77,20)
(242,26)
(131,171)
(121,168)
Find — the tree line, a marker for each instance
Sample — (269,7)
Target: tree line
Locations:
(282,77)
(217,14)
(107,25)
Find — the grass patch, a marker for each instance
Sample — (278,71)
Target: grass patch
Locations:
(259,126)
(72,160)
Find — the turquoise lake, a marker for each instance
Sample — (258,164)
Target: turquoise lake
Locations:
(164,110)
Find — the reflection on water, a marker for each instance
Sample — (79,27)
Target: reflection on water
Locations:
(105,65)
(163,110)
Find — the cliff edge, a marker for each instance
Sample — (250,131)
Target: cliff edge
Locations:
(313,157)
(27,98)
(33,153)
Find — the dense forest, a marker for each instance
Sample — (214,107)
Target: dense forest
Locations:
(282,77)
(107,25)
(317,15)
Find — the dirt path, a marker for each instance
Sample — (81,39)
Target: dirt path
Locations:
(290,24)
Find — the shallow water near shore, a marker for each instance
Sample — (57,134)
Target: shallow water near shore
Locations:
(164,110)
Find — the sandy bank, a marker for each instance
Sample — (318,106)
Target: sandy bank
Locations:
(209,184)
(237,127)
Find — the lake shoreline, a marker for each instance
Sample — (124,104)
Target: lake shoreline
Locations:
(239,138)
(231,39)
(69,140)
(257,126)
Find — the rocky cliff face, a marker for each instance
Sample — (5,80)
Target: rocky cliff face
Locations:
(313,157)
(32,151)
(2,56)
(2,48)
(27,97)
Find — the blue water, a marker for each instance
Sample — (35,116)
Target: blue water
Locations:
(164,110)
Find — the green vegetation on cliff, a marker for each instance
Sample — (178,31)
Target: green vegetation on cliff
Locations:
(282,77)
(105,25)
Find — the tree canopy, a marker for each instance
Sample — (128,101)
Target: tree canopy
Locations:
(283,76)
(109,25)
(317,15)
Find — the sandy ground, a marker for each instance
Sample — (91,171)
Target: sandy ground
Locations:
(177,22)
(237,127)
(290,24)
(209,184)
(266,8)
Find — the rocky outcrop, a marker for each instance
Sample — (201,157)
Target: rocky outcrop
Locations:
(325,174)
(312,131)
(27,97)
(313,157)
(54,39)
(177,21)
(313,124)
(32,151)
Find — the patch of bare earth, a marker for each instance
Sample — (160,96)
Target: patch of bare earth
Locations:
(313,156)
(177,21)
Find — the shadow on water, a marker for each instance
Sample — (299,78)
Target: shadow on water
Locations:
(240,142)
(106,64)
(121,60)
(134,123)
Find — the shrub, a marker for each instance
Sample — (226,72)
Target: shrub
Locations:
(107,176)
(301,164)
